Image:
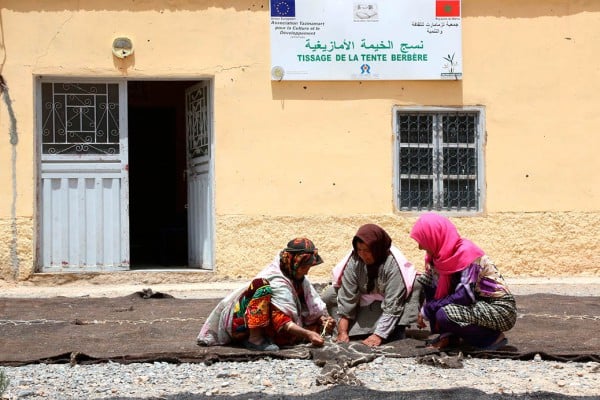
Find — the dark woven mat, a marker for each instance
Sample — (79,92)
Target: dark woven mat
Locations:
(148,327)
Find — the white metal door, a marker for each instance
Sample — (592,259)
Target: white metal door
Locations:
(83,181)
(200,194)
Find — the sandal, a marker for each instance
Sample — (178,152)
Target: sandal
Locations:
(439,344)
(442,341)
(266,345)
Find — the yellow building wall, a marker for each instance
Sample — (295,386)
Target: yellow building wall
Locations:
(315,158)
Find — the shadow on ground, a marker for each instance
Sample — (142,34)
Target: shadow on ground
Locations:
(360,393)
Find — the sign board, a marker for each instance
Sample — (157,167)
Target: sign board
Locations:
(366,40)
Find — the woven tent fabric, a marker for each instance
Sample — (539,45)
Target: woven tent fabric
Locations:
(148,327)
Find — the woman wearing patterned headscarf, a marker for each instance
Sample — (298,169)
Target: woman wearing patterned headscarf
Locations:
(279,307)
(371,290)
(466,297)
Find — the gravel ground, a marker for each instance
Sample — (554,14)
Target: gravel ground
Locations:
(294,377)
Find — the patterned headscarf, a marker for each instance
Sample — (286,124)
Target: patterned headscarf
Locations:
(450,252)
(299,252)
(379,243)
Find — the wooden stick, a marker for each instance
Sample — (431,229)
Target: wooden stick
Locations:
(324,328)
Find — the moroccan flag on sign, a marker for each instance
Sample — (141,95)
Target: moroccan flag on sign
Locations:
(447,8)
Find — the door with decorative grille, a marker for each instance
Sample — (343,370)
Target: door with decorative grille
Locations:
(200,193)
(83,179)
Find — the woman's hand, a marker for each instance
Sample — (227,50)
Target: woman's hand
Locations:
(307,334)
(421,321)
(328,323)
(373,341)
(343,325)
(315,338)
(343,337)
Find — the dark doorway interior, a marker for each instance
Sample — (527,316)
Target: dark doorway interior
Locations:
(157,185)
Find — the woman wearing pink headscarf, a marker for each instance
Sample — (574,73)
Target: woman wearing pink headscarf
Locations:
(466,298)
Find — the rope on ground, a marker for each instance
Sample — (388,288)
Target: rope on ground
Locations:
(95,322)
(561,316)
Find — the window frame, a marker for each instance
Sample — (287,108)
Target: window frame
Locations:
(480,179)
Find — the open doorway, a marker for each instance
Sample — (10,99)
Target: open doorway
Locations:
(157,174)
(114,197)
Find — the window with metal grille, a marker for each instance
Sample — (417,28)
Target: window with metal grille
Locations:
(438,159)
(80,118)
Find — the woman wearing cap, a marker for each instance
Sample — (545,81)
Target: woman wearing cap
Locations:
(372,289)
(279,307)
(466,297)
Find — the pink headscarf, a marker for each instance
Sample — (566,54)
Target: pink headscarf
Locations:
(449,252)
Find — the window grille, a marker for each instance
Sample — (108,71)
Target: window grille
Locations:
(197,121)
(80,118)
(438,160)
